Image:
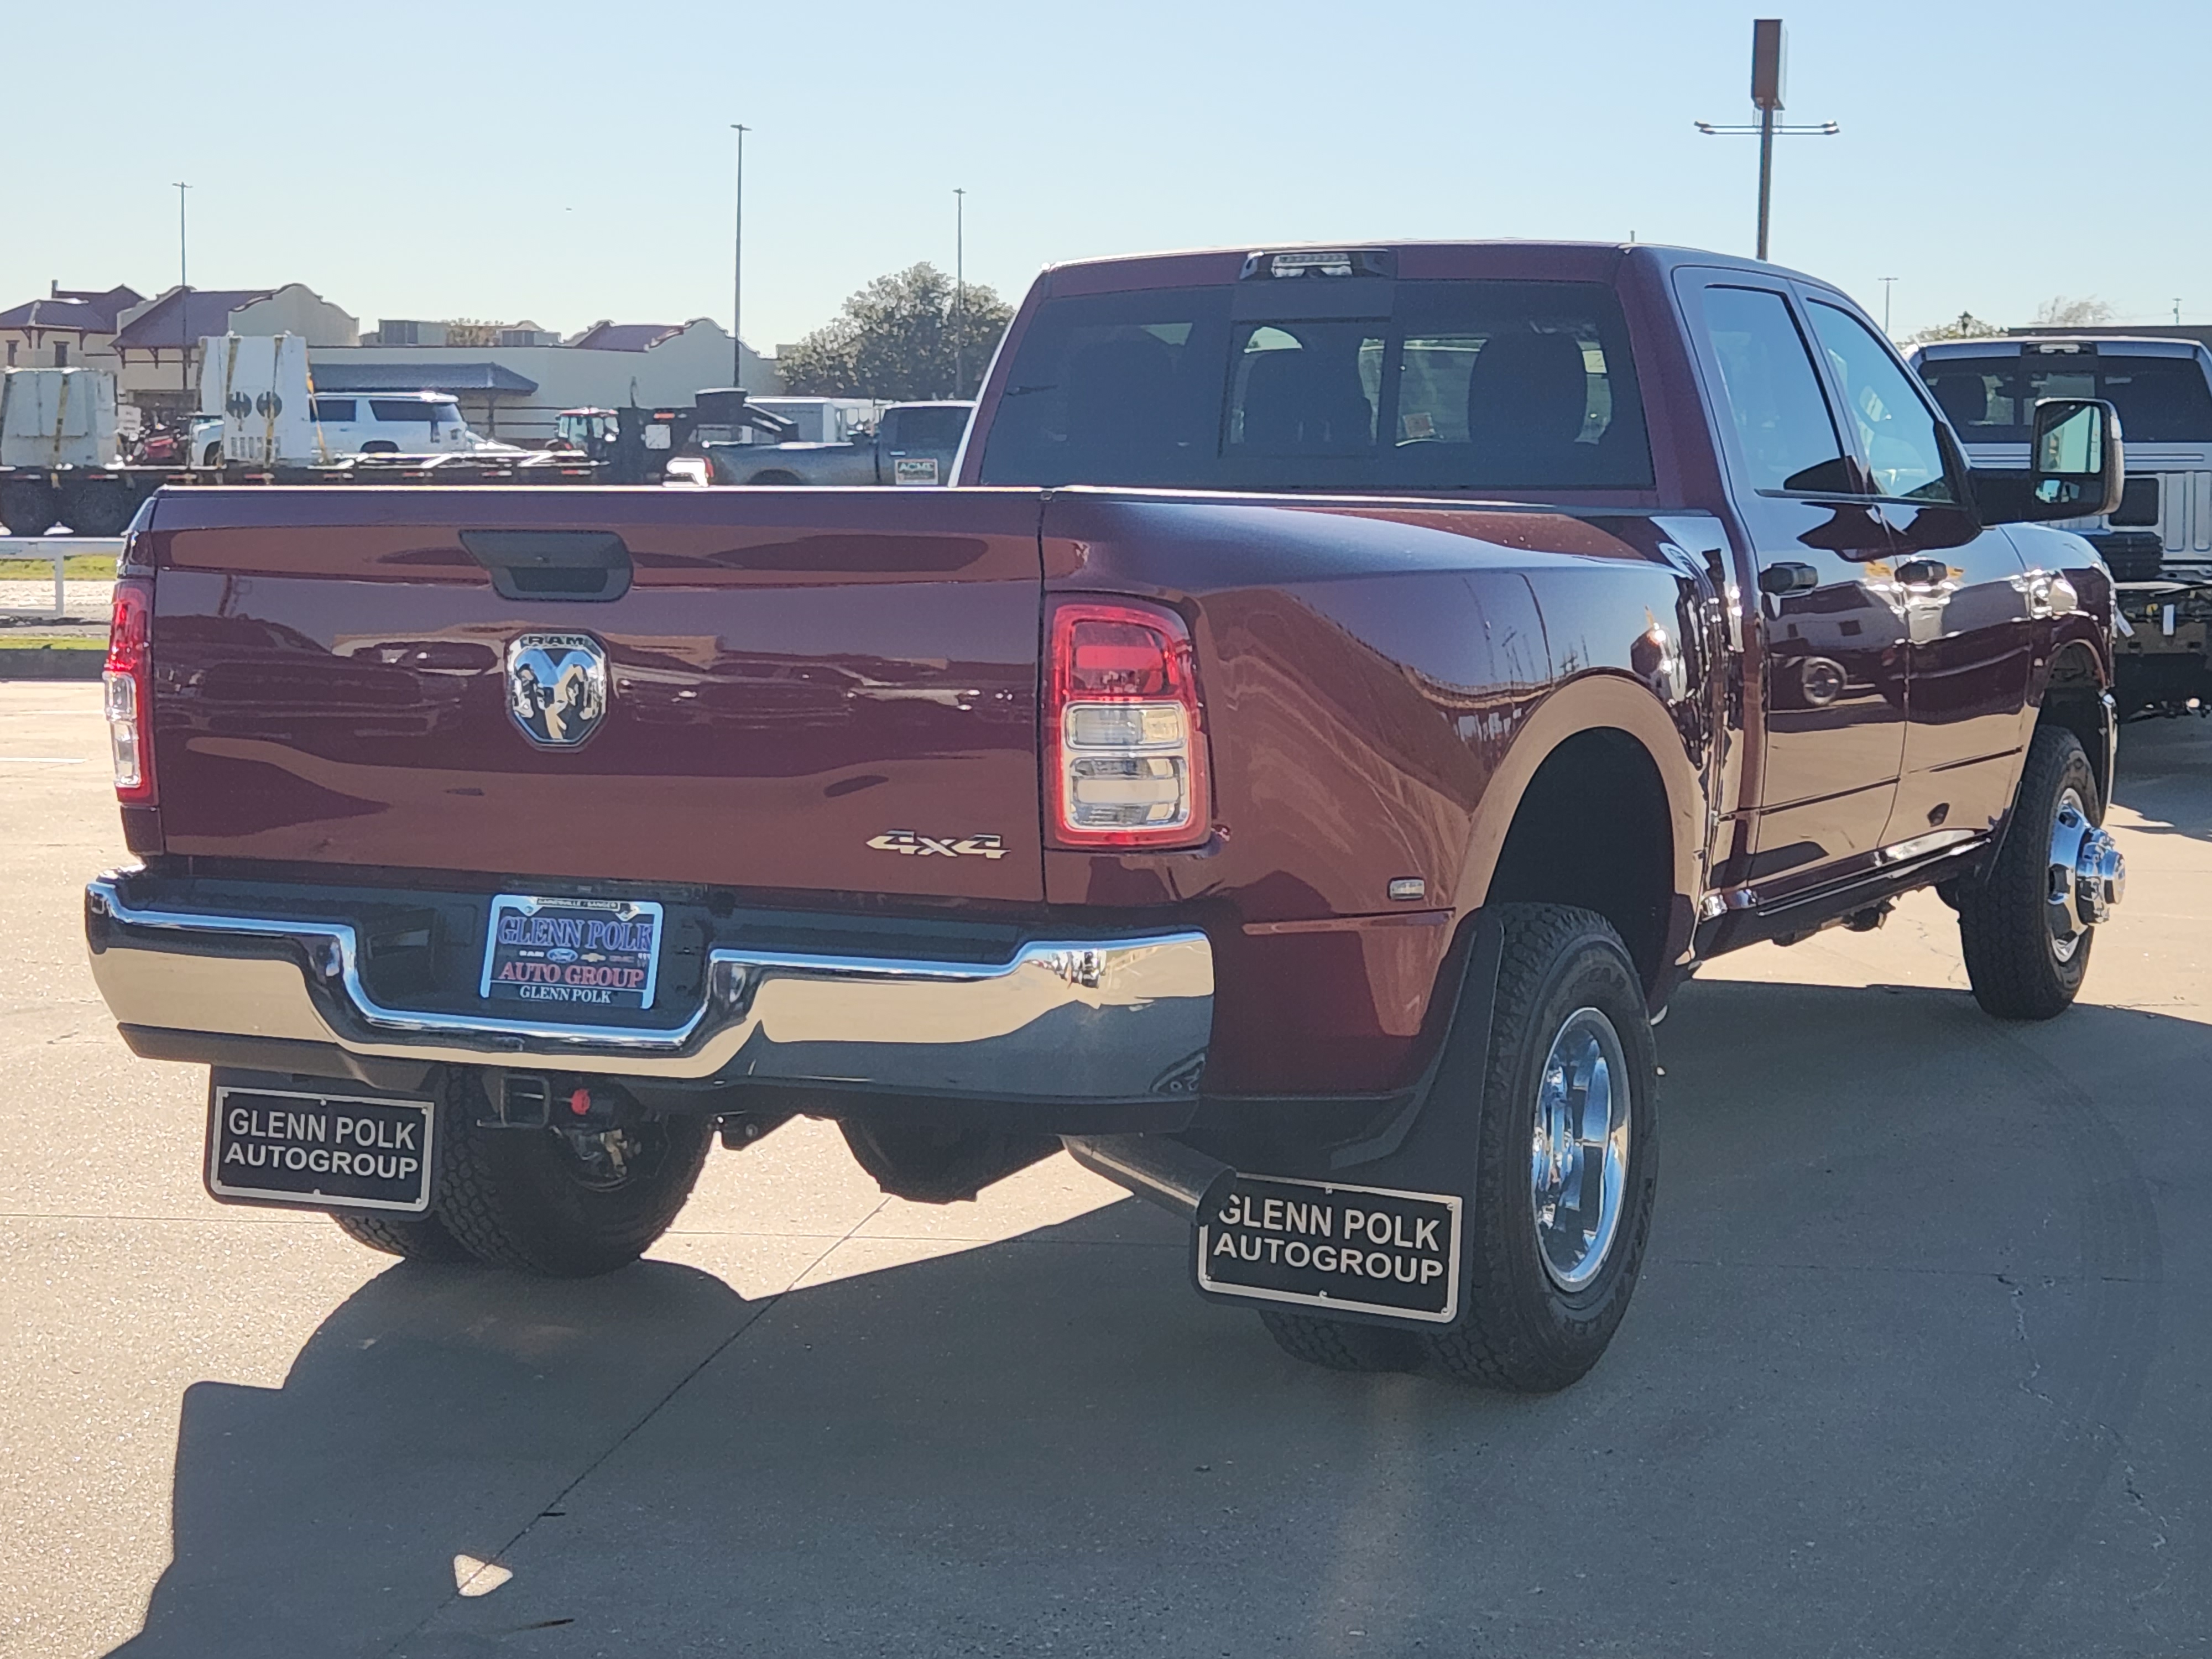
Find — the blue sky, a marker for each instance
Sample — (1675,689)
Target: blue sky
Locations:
(568,162)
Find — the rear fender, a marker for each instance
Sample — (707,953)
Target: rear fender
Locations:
(1594,703)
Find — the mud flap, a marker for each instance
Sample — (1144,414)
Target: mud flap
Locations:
(1375,1231)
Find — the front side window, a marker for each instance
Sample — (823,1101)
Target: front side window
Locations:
(1782,426)
(1500,386)
(1896,435)
(401,409)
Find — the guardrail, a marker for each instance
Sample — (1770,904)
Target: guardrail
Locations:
(56,551)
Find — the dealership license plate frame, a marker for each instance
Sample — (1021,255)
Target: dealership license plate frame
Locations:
(1210,1229)
(530,905)
(326,1107)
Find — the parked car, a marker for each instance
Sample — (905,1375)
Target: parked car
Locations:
(1369,682)
(398,423)
(911,444)
(2158,540)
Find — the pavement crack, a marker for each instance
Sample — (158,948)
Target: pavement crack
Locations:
(2018,1291)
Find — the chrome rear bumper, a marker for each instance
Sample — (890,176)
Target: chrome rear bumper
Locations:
(1091,1020)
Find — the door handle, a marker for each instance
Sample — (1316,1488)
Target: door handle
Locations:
(1786,576)
(1922,572)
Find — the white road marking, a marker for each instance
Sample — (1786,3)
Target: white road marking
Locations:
(41,760)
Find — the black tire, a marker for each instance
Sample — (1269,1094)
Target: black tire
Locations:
(1519,1327)
(2013,961)
(29,507)
(1338,1344)
(412,1238)
(775,478)
(103,510)
(519,1198)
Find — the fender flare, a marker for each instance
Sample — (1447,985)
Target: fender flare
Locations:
(1592,702)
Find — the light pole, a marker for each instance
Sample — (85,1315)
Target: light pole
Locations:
(959,288)
(737,268)
(1769,55)
(184,310)
(1888,283)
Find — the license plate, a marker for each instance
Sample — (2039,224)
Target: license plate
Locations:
(917,470)
(572,953)
(1357,1249)
(327,1152)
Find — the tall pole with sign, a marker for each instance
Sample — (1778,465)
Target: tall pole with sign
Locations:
(1769,63)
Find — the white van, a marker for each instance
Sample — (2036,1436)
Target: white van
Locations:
(396,423)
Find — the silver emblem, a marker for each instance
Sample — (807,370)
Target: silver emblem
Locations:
(556,687)
(905,841)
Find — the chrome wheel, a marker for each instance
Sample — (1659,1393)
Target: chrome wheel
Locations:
(2088,876)
(1578,1162)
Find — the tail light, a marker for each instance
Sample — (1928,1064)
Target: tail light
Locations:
(1128,735)
(129,679)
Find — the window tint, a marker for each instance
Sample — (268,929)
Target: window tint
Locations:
(1773,391)
(1449,385)
(1896,435)
(334,409)
(928,429)
(1990,399)
(401,409)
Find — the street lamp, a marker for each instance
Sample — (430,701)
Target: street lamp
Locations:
(1769,56)
(1888,283)
(183,312)
(959,288)
(737,268)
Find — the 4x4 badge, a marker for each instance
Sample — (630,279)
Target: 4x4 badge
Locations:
(950,846)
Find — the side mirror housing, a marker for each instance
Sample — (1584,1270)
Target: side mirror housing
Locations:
(2076,467)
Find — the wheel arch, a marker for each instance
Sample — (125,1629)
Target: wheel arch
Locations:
(1597,803)
(2072,693)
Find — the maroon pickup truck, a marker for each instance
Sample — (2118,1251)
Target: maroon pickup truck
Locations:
(1346,694)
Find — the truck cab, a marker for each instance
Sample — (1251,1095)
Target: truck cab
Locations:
(910,444)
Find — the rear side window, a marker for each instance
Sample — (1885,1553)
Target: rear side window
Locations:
(928,429)
(1783,427)
(401,409)
(334,409)
(1446,386)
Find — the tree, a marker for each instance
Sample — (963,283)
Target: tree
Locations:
(1967,326)
(896,339)
(2059,312)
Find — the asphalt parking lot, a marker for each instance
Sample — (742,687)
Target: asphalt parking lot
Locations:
(1919,1364)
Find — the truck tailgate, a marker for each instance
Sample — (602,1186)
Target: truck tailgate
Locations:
(803,689)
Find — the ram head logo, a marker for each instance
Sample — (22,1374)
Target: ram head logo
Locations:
(556,687)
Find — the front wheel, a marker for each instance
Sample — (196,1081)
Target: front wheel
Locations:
(2026,926)
(1566,1164)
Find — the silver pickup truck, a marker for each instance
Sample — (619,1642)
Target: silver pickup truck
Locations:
(912,443)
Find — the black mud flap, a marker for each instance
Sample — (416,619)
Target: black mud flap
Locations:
(1374,1231)
(316,1144)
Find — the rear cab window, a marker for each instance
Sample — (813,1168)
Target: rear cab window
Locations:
(1342,385)
(1991,399)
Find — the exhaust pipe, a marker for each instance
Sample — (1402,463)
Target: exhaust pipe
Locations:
(1156,1169)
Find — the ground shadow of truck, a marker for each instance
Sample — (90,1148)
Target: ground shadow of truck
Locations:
(1894,1330)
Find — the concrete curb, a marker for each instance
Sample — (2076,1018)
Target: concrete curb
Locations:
(46,662)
